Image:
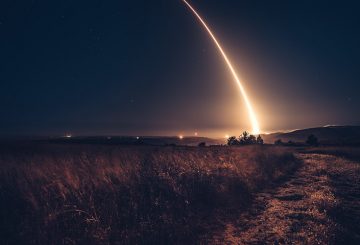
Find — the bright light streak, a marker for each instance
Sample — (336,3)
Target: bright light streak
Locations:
(252,116)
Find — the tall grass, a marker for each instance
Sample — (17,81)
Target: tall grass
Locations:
(58,194)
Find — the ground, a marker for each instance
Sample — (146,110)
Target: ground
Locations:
(119,194)
(318,204)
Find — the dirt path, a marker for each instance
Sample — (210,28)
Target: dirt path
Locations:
(319,204)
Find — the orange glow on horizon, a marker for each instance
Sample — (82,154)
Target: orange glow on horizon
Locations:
(252,116)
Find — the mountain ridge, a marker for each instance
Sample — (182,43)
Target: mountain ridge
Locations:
(326,135)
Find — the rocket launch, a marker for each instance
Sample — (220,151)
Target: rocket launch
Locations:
(252,116)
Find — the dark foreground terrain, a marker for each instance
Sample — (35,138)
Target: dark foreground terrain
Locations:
(93,194)
(319,204)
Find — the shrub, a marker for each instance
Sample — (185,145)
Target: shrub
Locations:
(278,142)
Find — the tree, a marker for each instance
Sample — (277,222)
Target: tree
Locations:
(251,140)
(259,140)
(244,138)
(232,141)
(312,140)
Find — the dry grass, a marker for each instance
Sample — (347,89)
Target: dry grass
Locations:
(61,194)
(352,153)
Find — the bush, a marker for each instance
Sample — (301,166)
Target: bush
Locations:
(278,142)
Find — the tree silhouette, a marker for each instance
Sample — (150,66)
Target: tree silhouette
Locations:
(232,141)
(312,140)
(245,139)
(251,140)
(259,140)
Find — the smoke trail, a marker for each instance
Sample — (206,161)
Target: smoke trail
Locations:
(252,116)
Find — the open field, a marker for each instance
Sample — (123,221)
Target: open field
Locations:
(351,153)
(93,194)
(83,194)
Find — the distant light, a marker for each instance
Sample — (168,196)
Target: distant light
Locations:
(196,133)
(181,137)
(137,138)
(227,136)
(68,136)
(109,138)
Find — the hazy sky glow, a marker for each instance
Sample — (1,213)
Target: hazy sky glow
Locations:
(148,68)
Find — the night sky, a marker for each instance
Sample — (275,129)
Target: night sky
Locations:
(130,67)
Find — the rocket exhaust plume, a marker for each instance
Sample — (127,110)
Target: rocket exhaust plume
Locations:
(252,116)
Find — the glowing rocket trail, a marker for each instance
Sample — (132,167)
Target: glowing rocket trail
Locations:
(254,122)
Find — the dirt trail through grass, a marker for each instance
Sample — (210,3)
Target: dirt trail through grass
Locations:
(319,204)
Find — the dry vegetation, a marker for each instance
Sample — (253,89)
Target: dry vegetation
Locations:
(73,194)
(352,153)
(318,204)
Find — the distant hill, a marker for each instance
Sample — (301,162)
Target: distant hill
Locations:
(331,135)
